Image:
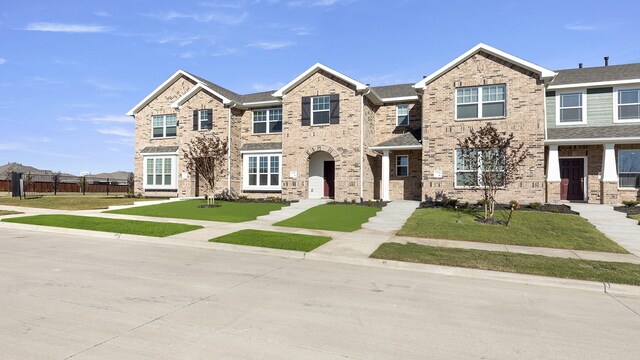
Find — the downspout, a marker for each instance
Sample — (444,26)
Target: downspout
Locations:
(229,149)
(362,144)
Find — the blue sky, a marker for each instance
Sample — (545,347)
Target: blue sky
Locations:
(70,70)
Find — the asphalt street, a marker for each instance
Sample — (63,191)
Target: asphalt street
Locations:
(72,297)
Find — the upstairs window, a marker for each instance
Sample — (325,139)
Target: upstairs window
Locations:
(629,104)
(320,110)
(164,125)
(203,119)
(267,121)
(402,115)
(481,102)
(570,108)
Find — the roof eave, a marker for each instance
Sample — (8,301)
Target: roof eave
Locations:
(593,141)
(593,84)
(312,70)
(194,90)
(165,85)
(396,147)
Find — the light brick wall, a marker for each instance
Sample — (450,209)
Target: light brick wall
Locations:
(525,118)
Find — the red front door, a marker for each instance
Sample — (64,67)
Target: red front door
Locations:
(329,178)
(572,175)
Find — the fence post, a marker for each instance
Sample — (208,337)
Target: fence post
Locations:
(84,184)
(107,186)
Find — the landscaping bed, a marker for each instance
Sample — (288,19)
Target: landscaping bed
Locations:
(337,217)
(133,227)
(451,204)
(610,272)
(273,240)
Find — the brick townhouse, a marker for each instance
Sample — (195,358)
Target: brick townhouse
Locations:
(327,135)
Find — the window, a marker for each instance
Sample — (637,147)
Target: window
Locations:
(205,122)
(267,121)
(402,115)
(628,104)
(629,168)
(481,102)
(402,165)
(159,172)
(570,108)
(164,125)
(262,172)
(476,167)
(320,110)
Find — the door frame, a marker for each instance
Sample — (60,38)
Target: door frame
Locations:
(585,173)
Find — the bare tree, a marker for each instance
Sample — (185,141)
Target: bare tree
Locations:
(205,156)
(489,161)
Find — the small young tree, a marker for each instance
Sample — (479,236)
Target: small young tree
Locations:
(489,161)
(205,156)
(131,185)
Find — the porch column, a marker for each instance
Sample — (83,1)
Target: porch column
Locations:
(385,175)
(609,171)
(553,164)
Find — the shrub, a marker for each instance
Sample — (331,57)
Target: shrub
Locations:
(535,205)
(514,204)
(353,201)
(481,202)
(630,203)
(451,202)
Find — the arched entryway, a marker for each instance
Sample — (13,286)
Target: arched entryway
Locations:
(322,175)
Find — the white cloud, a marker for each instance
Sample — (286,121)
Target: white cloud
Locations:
(109,86)
(101,13)
(173,39)
(267,87)
(580,27)
(271,45)
(319,3)
(225,51)
(67,28)
(9,146)
(201,17)
(3,61)
(117,131)
(98,119)
(187,55)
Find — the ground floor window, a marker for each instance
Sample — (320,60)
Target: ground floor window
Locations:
(475,167)
(160,172)
(262,171)
(402,165)
(629,168)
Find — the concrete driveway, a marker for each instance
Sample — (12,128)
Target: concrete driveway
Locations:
(65,296)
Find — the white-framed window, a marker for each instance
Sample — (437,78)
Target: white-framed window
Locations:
(629,168)
(164,125)
(473,167)
(262,171)
(402,165)
(481,102)
(571,108)
(627,105)
(204,122)
(267,121)
(160,172)
(320,109)
(402,115)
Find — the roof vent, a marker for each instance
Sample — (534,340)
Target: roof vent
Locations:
(606,61)
(580,66)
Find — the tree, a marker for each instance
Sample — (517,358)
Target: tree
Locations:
(205,157)
(489,161)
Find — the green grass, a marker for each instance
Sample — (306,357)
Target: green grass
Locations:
(337,217)
(527,228)
(636,217)
(134,227)
(274,240)
(614,272)
(66,202)
(228,212)
(9,212)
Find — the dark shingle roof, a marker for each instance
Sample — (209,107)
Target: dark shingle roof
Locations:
(406,139)
(392,91)
(219,89)
(262,146)
(159,149)
(597,74)
(256,97)
(594,132)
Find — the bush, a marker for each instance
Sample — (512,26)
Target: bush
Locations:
(535,205)
(514,204)
(630,203)
(451,202)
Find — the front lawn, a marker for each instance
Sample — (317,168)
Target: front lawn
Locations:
(614,272)
(338,217)
(188,209)
(134,227)
(66,202)
(274,240)
(527,228)
(636,217)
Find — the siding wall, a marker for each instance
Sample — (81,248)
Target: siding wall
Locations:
(599,108)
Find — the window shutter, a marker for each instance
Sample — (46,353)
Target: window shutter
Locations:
(195,119)
(210,117)
(306,110)
(334,115)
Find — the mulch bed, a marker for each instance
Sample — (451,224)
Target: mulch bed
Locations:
(629,210)
(379,204)
(559,209)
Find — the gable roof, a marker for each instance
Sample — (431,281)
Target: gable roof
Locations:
(604,75)
(312,70)
(399,92)
(543,72)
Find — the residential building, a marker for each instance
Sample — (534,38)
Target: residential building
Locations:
(325,134)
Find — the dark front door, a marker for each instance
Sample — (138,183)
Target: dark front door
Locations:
(572,175)
(329,178)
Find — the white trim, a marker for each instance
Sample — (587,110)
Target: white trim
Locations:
(594,84)
(408,117)
(263,103)
(583,99)
(543,72)
(400,98)
(594,141)
(615,105)
(553,164)
(200,119)
(194,90)
(585,175)
(361,147)
(164,126)
(245,171)
(399,156)
(174,172)
(385,176)
(165,85)
(175,153)
(228,149)
(312,70)
(312,112)
(272,151)
(480,102)
(399,147)
(609,164)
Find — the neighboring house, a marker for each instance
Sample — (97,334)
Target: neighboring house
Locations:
(325,134)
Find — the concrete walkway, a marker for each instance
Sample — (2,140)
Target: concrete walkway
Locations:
(614,224)
(291,210)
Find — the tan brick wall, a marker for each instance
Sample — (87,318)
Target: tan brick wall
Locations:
(525,118)
(385,117)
